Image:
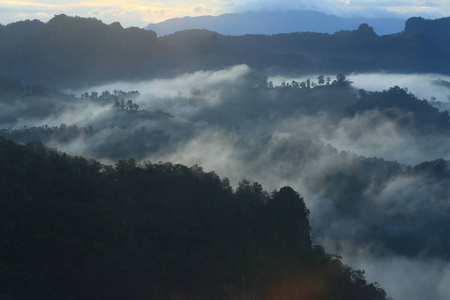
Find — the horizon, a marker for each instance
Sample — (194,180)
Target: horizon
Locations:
(143,13)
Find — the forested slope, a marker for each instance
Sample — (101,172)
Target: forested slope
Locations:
(68,51)
(73,228)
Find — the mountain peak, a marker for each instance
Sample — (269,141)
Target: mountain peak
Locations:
(366,30)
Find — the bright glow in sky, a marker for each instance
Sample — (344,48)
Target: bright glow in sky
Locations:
(139,12)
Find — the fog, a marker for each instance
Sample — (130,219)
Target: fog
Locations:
(402,277)
(421,85)
(424,86)
(371,134)
(378,213)
(404,213)
(175,95)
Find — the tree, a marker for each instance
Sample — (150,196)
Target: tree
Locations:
(321,80)
(308,83)
(93,96)
(105,95)
(292,216)
(340,78)
(129,105)
(342,81)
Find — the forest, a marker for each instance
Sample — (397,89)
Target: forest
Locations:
(203,166)
(158,231)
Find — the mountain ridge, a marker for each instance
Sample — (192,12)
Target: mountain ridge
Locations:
(74,51)
(273,22)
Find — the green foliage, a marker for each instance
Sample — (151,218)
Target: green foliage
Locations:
(72,228)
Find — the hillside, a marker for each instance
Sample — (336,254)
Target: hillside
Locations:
(69,51)
(73,228)
(360,50)
(437,30)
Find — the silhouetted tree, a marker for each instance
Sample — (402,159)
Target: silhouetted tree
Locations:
(342,81)
(321,80)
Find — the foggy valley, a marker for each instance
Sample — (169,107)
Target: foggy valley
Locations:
(367,145)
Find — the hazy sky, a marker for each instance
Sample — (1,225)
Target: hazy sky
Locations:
(140,13)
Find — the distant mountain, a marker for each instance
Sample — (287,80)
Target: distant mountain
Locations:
(74,51)
(273,22)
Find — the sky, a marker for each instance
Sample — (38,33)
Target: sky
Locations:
(141,13)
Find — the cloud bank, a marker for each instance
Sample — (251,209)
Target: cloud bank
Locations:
(354,8)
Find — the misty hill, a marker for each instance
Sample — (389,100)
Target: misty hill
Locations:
(405,109)
(74,228)
(294,132)
(437,30)
(119,111)
(77,51)
(273,22)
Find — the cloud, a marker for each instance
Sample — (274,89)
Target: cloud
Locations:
(44,15)
(421,85)
(347,8)
(184,95)
(401,277)
(372,134)
(128,13)
(133,14)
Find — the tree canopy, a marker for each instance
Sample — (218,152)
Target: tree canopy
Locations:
(72,228)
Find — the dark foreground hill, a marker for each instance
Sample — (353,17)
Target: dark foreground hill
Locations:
(75,229)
